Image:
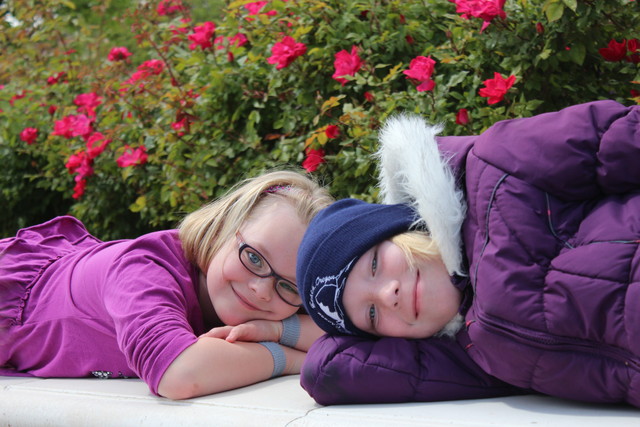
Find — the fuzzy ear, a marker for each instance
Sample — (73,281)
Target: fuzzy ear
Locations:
(413,171)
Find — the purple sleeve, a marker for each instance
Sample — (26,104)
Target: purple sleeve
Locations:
(153,305)
(350,370)
(576,153)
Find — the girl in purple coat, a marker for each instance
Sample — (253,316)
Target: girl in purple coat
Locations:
(502,263)
(74,306)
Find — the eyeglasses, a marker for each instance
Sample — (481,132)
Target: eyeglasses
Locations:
(257,264)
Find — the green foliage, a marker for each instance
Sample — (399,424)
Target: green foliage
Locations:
(242,115)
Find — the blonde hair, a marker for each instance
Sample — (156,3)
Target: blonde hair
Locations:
(416,245)
(204,231)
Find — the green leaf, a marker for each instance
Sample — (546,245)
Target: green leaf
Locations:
(571,4)
(554,10)
(577,53)
(139,204)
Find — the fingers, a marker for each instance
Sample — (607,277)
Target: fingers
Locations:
(220,332)
(243,332)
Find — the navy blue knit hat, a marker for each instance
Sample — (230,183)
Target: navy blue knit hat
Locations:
(336,238)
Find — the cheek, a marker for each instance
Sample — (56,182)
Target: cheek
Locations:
(286,311)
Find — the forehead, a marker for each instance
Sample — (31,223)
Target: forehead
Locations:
(274,212)
(276,231)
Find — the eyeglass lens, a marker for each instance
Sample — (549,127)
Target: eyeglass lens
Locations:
(258,265)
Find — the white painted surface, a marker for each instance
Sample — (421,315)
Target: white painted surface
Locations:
(278,402)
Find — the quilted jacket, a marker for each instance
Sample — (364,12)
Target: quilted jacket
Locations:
(551,261)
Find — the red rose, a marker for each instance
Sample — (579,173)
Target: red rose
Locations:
(29,135)
(486,10)
(332,131)
(132,157)
(346,64)
(314,159)
(202,36)
(87,103)
(615,51)
(169,7)
(96,144)
(283,53)
(462,116)
(496,88)
(78,190)
(420,69)
(71,126)
(118,54)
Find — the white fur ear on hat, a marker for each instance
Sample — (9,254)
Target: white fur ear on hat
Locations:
(413,171)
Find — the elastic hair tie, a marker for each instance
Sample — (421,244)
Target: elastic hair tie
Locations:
(279,358)
(290,331)
(277,188)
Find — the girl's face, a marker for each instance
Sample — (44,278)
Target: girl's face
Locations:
(238,295)
(384,296)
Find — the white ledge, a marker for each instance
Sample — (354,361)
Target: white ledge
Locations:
(278,402)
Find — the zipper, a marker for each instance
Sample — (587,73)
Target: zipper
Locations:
(547,341)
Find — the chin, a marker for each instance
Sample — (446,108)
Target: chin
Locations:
(452,327)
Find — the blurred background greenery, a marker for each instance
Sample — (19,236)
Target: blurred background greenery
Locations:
(218,114)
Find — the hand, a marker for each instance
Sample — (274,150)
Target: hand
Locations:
(252,331)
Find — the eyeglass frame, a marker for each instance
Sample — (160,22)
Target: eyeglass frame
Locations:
(244,245)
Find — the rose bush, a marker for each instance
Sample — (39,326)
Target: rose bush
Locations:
(128,114)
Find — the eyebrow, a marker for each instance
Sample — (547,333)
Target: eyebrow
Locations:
(265,254)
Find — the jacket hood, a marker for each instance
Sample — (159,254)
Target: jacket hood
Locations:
(413,171)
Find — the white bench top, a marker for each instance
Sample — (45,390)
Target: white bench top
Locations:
(278,402)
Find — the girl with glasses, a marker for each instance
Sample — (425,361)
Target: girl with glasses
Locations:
(74,306)
(504,263)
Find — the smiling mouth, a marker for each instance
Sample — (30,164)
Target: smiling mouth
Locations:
(416,307)
(244,301)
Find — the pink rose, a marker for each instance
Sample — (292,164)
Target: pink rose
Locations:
(87,103)
(255,7)
(56,78)
(96,144)
(169,7)
(119,54)
(71,126)
(78,189)
(76,160)
(486,10)
(132,157)
(202,36)
(283,53)
(29,135)
(346,64)
(420,69)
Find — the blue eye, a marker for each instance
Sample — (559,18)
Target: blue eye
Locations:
(254,259)
(374,263)
(372,316)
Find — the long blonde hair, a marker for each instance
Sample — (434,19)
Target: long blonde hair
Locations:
(204,231)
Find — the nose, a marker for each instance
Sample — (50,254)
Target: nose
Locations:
(262,287)
(389,294)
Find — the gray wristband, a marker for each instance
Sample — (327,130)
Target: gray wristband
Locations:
(279,359)
(290,331)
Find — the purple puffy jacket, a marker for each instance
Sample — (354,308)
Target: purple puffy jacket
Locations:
(551,237)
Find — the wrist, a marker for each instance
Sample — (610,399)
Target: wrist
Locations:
(290,331)
(277,355)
